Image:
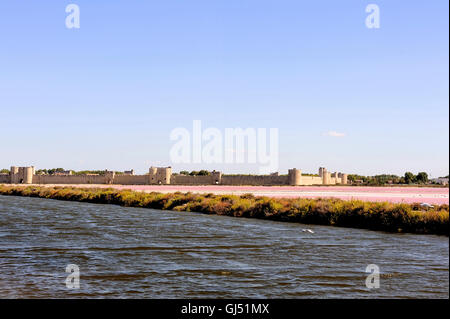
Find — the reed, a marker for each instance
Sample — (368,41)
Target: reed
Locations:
(383,216)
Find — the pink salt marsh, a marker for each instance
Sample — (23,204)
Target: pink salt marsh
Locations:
(431,195)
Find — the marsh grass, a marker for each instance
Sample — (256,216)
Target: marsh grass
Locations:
(383,216)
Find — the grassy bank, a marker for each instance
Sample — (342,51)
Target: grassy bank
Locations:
(355,213)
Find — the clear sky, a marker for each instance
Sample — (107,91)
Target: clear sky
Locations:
(107,95)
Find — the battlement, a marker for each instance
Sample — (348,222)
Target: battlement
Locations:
(164,176)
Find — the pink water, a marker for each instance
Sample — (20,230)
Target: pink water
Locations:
(429,195)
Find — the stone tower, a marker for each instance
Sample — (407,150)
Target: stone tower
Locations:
(326,176)
(160,175)
(216,177)
(295,177)
(22,175)
(344,179)
(167,174)
(109,177)
(321,171)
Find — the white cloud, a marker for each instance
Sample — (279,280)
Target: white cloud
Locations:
(334,134)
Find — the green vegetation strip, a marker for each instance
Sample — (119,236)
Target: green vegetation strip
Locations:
(412,218)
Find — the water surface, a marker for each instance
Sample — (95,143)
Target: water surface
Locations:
(144,253)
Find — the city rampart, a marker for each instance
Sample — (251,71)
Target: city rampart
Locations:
(254,180)
(164,176)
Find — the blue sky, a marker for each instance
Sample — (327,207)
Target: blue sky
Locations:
(107,95)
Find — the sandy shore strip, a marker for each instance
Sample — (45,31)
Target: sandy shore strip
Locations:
(429,195)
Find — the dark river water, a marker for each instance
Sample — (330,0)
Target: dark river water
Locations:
(144,253)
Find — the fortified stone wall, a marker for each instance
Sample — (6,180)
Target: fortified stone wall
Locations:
(311,180)
(131,179)
(194,180)
(5,178)
(108,178)
(214,179)
(70,179)
(163,175)
(255,180)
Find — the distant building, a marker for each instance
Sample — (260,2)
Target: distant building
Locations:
(130,172)
(63,173)
(440,180)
